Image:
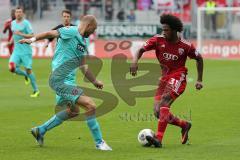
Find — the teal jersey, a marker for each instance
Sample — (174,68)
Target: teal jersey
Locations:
(70,45)
(25,27)
(77,23)
(87,42)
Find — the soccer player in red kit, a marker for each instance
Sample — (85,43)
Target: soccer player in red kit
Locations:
(172,52)
(7,27)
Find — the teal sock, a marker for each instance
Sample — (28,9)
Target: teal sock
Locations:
(33,81)
(54,122)
(20,72)
(95,129)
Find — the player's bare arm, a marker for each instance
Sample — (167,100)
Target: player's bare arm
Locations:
(48,41)
(44,35)
(5,30)
(199,63)
(134,65)
(87,72)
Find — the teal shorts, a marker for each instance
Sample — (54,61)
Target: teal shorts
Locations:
(62,101)
(22,60)
(68,94)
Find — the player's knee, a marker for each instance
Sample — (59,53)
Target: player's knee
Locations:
(29,71)
(164,114)
(166,100)
(73,112)
(91,107)
(12,67)
(88,105)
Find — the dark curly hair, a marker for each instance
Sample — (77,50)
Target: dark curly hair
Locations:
(174,22)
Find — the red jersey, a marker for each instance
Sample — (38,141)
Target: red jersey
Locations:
(171,56)
(7,27)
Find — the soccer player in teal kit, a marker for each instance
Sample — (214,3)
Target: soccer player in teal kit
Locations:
(69,55)
(22,53)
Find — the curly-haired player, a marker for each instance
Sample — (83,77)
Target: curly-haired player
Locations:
(172,52)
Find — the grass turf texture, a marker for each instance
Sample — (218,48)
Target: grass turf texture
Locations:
(214,112)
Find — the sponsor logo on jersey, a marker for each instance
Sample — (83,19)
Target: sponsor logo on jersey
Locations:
(80,47)
(168,56)
(180,51)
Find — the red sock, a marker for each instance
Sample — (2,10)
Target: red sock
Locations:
(162,122)
(176,121)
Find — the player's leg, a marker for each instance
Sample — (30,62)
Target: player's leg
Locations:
(166,117)
(89,106)
(155,140)
(32,78)
(178,84)
(69,111)
(27,63)
(65,100)
(59,118)
(162,111)
(14,65)
(174,88)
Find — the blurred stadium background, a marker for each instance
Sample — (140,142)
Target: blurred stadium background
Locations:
(134,20)
(214,110)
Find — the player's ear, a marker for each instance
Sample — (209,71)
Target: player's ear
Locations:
(174,31)
(88,26)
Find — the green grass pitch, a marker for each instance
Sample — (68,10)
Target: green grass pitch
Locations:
(214,112)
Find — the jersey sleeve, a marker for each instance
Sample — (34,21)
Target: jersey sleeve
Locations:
(87,42)
(55,28)
(193,52)
(150,44)
(29,29)
(67,32)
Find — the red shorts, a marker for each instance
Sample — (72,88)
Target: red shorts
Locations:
(173,84)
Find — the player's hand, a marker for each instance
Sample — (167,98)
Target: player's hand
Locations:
(98,84)
(199,85)
(28,41)
(133,69)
